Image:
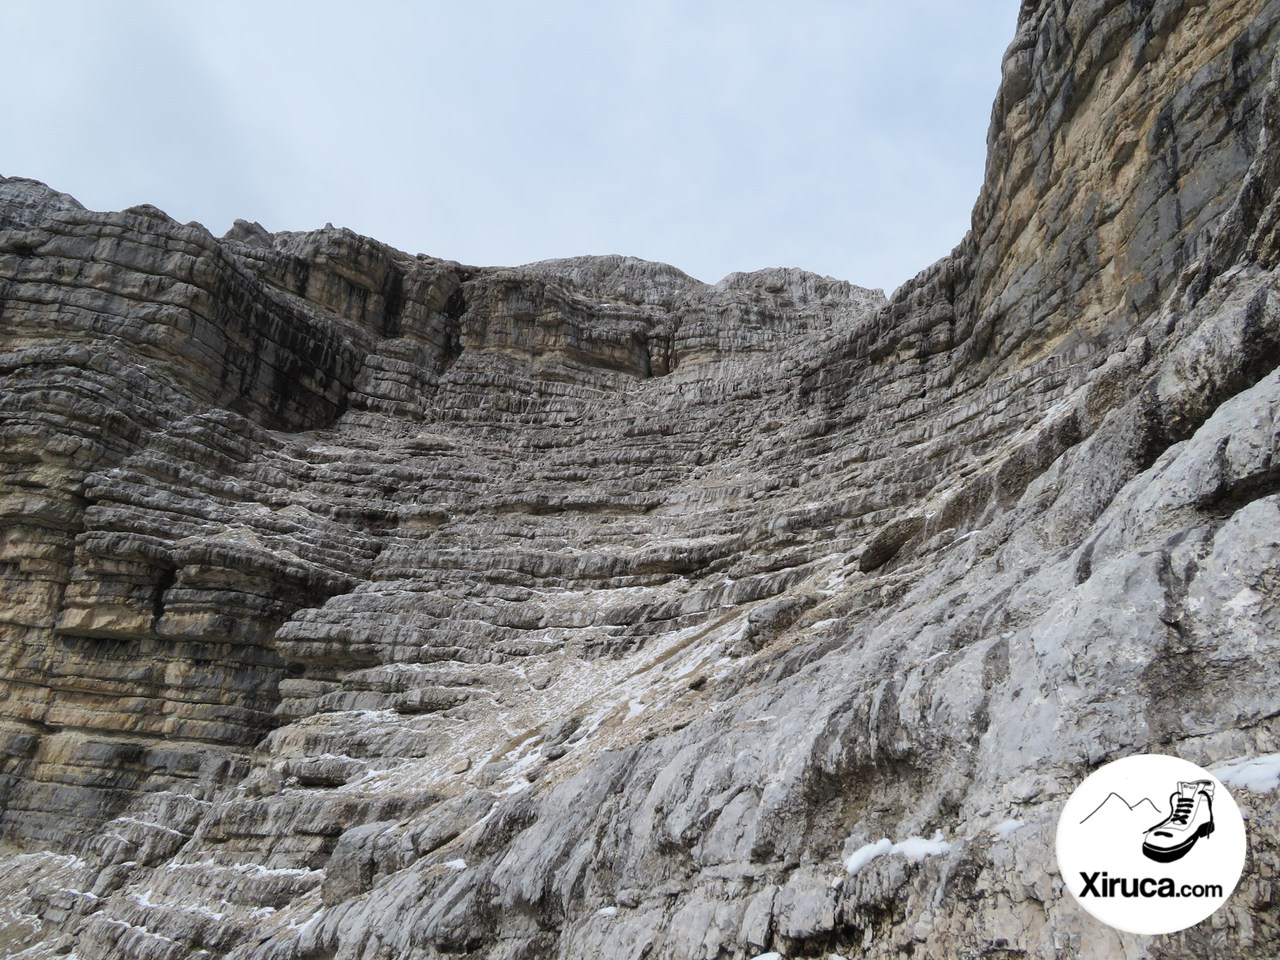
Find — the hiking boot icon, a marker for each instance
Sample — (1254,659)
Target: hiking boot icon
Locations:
(1190,818)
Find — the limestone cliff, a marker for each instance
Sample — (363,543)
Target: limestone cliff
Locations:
(363,605)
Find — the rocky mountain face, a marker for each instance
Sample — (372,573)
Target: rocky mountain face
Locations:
(363,605)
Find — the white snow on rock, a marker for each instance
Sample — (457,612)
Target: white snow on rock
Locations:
(913,848)
(1258,774)
(917,848)
(865,854)
(1006,827)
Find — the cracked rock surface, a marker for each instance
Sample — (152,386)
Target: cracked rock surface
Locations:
(357,605)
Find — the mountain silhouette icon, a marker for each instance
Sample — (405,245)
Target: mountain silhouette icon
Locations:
(1116,807)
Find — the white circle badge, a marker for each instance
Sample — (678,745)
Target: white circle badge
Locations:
(1151,844)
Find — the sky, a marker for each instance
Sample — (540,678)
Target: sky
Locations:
(847,137)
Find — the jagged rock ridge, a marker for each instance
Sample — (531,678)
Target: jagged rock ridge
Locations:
(365,605)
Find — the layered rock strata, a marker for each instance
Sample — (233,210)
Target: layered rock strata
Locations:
(362,605)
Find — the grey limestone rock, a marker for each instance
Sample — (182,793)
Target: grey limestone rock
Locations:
(357,604)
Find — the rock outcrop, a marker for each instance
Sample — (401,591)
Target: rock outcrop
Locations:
(364,605)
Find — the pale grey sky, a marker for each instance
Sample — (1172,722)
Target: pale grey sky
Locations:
(842,136)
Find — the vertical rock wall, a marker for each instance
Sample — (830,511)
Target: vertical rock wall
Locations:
(364,605)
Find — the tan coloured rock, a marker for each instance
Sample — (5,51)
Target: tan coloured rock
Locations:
(361,605)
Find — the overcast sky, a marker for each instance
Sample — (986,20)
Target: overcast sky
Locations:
(842,136)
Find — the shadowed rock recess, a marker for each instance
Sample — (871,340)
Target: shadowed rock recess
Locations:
(363,605)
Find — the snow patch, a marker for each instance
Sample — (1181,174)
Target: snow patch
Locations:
(1006,827)
(458,864)
(148,825)
(865,854)
(91,897)
(607,912)
(259,870)
(913,848)
(524,763)
(370,716)
(1257,774)
(917,848)
(301,927)
(143,899)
